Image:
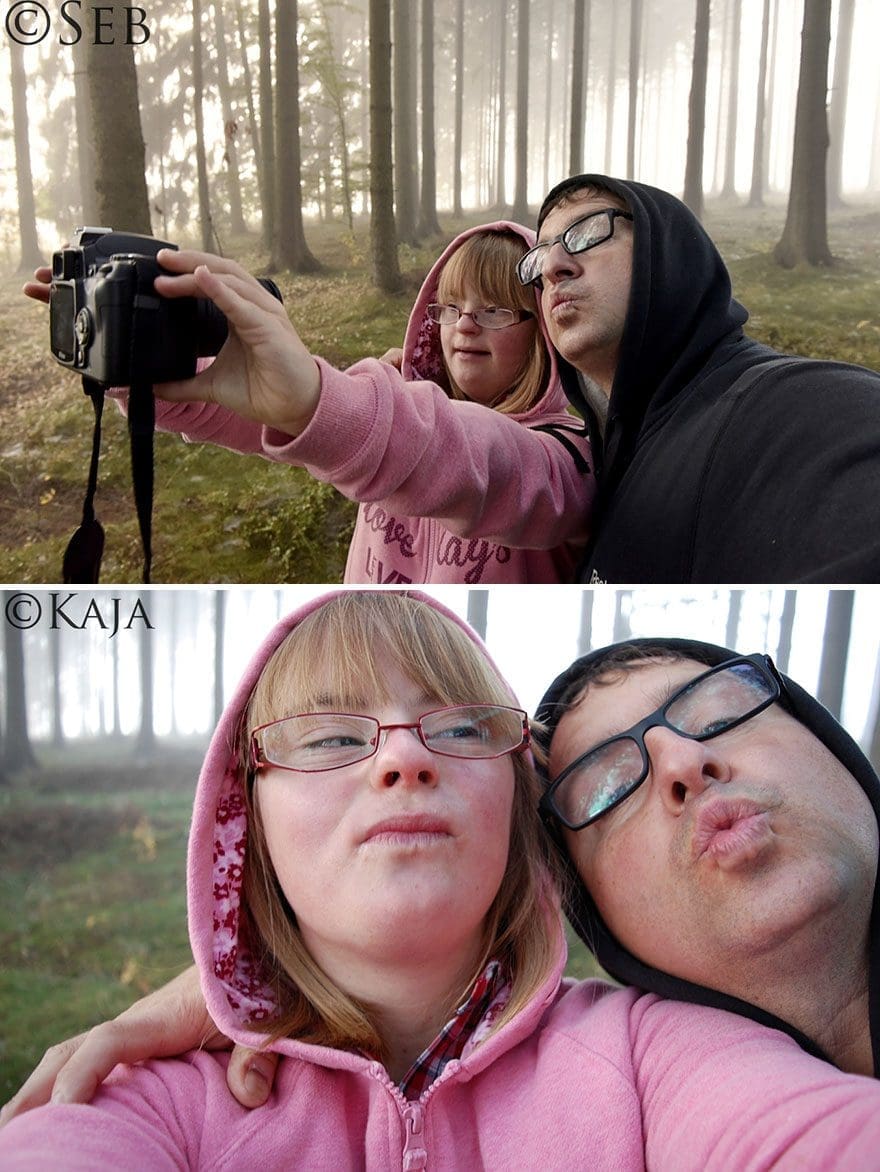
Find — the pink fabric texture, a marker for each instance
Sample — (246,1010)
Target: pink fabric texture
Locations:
(584,1076)
(449,491)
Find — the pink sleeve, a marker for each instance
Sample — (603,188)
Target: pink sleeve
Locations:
(719,1091)
(481,473)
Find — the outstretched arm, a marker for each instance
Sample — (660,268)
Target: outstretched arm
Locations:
(167,1022)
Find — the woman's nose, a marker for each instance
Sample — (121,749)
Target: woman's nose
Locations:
(402,759)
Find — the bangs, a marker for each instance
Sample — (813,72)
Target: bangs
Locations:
(332,660)
(485,265)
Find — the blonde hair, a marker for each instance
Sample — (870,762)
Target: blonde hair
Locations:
(485,264)
(342,636)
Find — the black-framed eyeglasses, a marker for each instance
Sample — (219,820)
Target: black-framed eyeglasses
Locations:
(311,742)
(580,236)
(492,318)
(715,702)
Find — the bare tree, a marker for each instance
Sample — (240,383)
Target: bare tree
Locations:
(459,107)
(501,154)
(728,188)
(406,171)
(478,610)
(805,235)
(27,215)
(383,233)
(145,744)
(635,50)
(734,611)
(786,629)
(580,49)
(17,751)
(756,195)
(268,173)
(693,174)
(837,108)
(219,634)
(428,224)
(585,628)
(622,613)
(205,222)
(835,649)
(230,124)
(289,249)
(520,187)
(611,88)
(114,115)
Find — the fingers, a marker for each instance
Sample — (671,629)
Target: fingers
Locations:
(250,1075)
(38,1088)
(38,288)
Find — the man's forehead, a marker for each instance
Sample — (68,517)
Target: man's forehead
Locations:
(575,206)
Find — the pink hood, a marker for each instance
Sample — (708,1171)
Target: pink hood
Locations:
(236,991)
(423,358)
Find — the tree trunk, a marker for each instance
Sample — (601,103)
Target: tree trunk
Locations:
(579,50)
(635,41)
(786,630)
(268,174)
(611,90)
(428,224)
(693,173)
(837,109)
(31,256)
(521,162)
(290,250)
(585,630)
(478,611)
(145,744)
(756,195)
(501,159)
(219,633)
(383,234)
(230,125)
(622,612)
(549,74)
(57,691)
(406,170)
(459,107)
(121,195)
(205,222)
(85,155)
(805,235)
(248,86)
(734,610)
(728,188)
(835,649)
(17,751)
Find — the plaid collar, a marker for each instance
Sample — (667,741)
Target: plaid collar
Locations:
(468,1027)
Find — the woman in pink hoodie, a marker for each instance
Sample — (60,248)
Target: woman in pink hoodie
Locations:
(449,491)
(368,897)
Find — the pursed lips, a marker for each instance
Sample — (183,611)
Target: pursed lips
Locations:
(729,827)
(401,826)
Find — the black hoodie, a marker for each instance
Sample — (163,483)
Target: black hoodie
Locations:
(584,915)
(710,473)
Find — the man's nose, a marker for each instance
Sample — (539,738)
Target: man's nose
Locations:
(681,768)
(558,264)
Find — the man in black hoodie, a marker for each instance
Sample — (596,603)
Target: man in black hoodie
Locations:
(718,459)
(721,830)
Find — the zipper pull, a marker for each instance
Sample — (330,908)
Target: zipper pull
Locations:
(414,1152)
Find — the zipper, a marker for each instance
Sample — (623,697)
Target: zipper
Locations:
(415,1154)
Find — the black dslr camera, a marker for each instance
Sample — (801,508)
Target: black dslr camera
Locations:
(107,322)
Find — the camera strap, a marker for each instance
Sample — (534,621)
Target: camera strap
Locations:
(82,558)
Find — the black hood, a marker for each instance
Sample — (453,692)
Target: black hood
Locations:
(582,912)
(680,308)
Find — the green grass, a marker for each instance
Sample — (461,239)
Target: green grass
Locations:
(92,903)
(219,517)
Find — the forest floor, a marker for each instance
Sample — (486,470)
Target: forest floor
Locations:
(220,519)
(92,892)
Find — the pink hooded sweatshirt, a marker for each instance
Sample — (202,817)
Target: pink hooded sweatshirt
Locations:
(449,491)
(585,1076)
